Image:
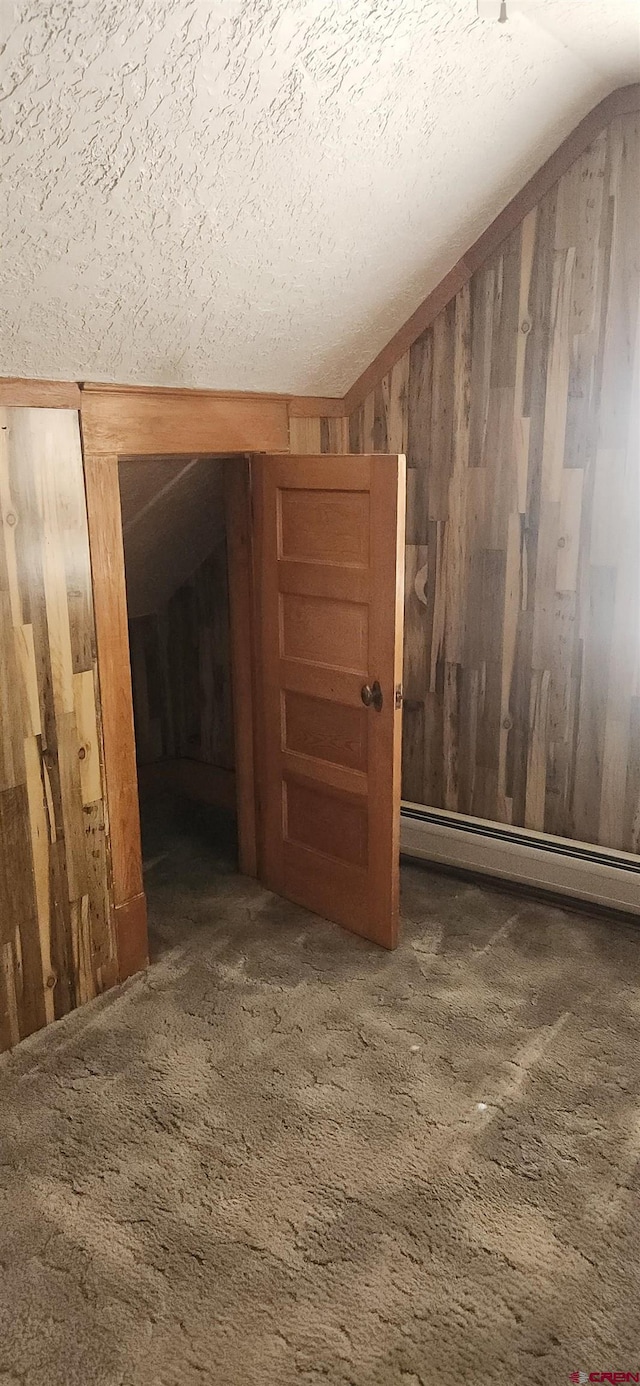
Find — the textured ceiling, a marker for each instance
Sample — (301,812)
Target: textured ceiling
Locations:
(255,194)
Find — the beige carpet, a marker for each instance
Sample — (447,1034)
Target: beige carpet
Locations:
(284,1156)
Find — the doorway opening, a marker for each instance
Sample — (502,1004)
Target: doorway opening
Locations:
(174,523)
(313,627)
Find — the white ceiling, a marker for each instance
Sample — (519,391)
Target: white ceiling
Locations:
(255,194)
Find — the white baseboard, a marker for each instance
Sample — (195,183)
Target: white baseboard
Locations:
(593,874)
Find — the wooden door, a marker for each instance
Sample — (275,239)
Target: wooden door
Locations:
(57,947)
(328,544)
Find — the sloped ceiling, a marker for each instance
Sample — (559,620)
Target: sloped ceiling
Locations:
(255,194)
(172,518)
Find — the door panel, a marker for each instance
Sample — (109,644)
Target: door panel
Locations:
(328,543)
(326,731)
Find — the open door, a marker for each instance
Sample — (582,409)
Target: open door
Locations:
(329,557)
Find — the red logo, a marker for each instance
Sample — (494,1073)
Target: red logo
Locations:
(614,1378)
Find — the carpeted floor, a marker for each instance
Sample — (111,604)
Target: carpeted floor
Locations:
(284,1156)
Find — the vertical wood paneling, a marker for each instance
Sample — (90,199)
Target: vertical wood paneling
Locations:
(518,409)
(57,947)
(315,435)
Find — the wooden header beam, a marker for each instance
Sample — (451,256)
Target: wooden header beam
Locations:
(142,422)
(38,394)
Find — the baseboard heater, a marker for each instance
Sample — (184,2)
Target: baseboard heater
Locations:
(594,874)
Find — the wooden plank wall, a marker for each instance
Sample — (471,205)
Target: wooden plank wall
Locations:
(181,672)
(57,947)
(518,411)
(312,435)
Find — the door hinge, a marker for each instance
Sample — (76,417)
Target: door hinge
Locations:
(398,695)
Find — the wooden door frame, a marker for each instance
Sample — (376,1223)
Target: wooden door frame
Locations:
(240,566)
(130,423)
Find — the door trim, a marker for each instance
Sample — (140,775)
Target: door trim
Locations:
(237,490)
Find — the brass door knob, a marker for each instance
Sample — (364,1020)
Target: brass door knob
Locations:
(372,695)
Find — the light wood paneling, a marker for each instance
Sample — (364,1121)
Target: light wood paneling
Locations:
(326,434)
(522,619)
(57,945)
(311,436)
